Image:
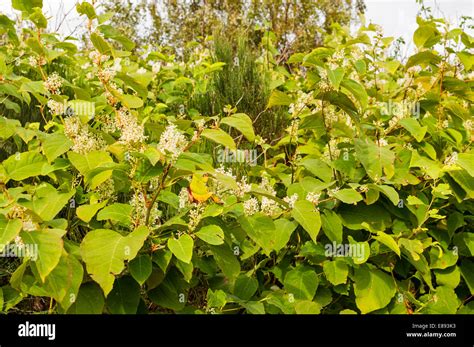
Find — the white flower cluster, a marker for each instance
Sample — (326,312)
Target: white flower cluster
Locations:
(139,211)
(172,142)
(313,197)
(414,69)
(55,107)
(19,242)
(131,132)
(19,212)
(218,188)
(382,142)
(200,123)
(141,71)
(323,84)
(223,171)
(268,206)
(242,186)
(36,61)
(98,58)
(378,30)
(260,140)
(117,67)
(291,200)
(294,127)
(84,141)
(451,159)
(53,83)
(156,67)
(331,150)
(28,224)
(195,216)
(331,117)
(338,60)
(106,75)
(183,198)
(251,206)
(108,124)
(303,99)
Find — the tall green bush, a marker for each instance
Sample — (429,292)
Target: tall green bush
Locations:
(363,205)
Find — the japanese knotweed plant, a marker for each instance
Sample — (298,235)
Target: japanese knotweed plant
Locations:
(112,201)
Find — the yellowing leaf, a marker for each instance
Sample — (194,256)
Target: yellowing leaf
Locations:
(199,189)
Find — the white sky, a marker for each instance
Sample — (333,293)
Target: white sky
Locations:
(397,17)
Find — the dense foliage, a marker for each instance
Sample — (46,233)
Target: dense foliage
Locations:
(125,198)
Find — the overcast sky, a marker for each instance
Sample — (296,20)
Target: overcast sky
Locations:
(397,17)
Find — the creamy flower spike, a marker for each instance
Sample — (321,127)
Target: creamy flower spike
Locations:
(242,186)
(32,61)
(53,83)
(55,107)
(139,211)
(36,61)
(98,58)
(382,142)
(83,140)
(183,198)
(117,65)
(451,159)
(293,129)
(291,200)
(303,100)
(251,206)
(268,206)
(19,241)
(195,216)
(132,133)
(156,67)
(172,142)
(28,224)
(331,150)
(19,212)
(313,197)
(106,75)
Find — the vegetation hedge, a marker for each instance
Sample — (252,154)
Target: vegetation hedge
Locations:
(124,197)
